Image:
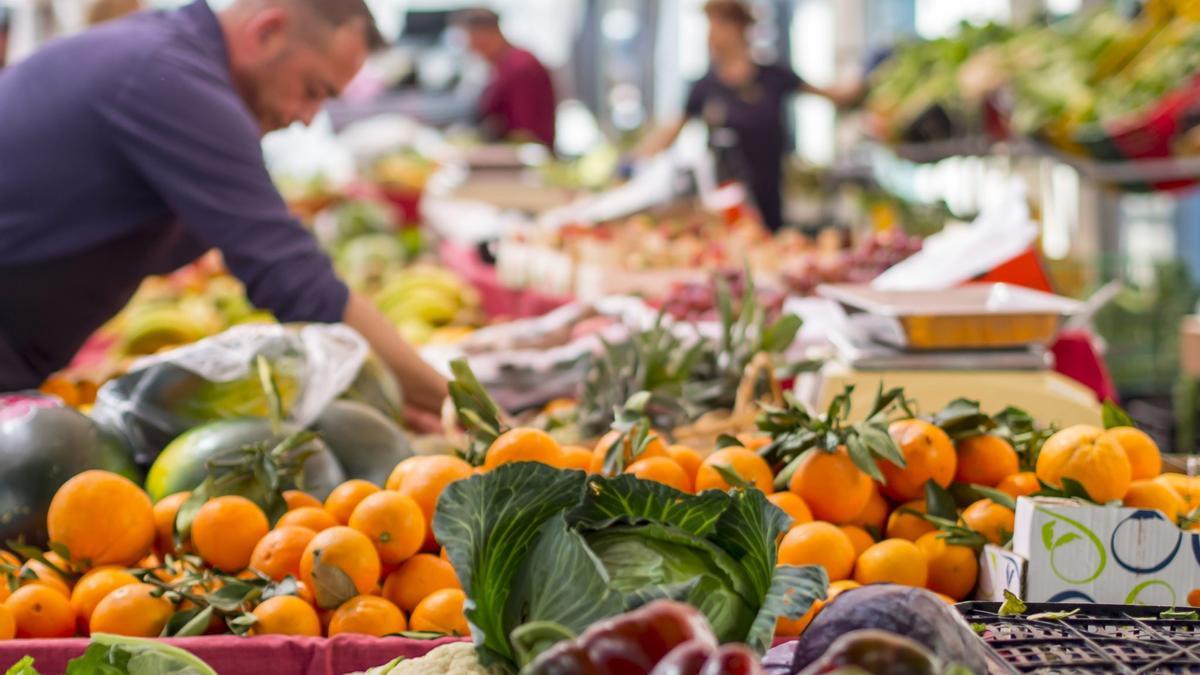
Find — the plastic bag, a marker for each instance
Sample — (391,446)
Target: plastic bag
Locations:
(216,378)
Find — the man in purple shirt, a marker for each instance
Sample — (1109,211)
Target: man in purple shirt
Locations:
(519,101)
(133,148)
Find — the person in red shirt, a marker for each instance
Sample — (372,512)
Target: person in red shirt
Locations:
(519,102)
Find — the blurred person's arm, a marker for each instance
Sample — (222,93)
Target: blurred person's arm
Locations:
(424,389)
(847,94)
(660,139)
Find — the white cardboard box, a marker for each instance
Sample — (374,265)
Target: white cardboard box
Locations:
(1064,551)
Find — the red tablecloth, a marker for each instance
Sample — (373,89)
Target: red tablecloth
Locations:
(231,655)
(499,301)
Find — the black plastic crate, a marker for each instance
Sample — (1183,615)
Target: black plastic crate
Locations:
(1098,639)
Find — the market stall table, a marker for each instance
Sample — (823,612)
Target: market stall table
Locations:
(232,655)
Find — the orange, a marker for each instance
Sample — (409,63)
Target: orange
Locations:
(785,627)
(44,576)
(1193,597)
(418,577)
(226,530)
(164,520)
(576,457)
(523,445)
(792,505)
(655,447)
(993,521)
(278,553)
(394,523)
(341,502)
(875,513)
(347,549)
(313,518)
(286,615)
(1091,457)
(819,544)
(834,489)
(1149,494)
(986,460)
(296,499)
(441,612)
(1023,484)
(1184,487)
(93,588)
(367,615)
(745,463)
(688,459)
(1145,460)
(662,470)
(836,588)
(305,593)
(424,478)
(8,623)
(953,569)
(903,525)
(41,612)
(444,554)
(132,610)
(102,519)
(946,599)
(929,455)
(892,561)
(861,539)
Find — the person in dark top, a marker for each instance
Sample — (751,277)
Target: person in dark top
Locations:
(133,148)
(744,105)
(519,101)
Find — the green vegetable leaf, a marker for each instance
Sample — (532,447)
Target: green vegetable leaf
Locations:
(628,499)
(531,639)
(488,524)
(979,628)
(1113,416)
(1012,605)
(116,655)
(882,445)
(1053,616)
(23,667)
(939,503)
(792,593)
(748,530)
(561,553)
(1180,615)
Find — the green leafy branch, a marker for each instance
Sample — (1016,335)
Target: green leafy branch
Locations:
(795,432)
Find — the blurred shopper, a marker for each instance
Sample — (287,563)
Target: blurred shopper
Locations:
(146,152)
(744,104)
(5,28)
(107,10)
(519,101)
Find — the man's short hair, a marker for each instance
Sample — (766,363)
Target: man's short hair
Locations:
(477,17)
(337,13)
(732,11)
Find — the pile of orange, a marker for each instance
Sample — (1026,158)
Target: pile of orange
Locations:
(379,539)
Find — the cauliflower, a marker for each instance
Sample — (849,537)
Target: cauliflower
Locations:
(456,658)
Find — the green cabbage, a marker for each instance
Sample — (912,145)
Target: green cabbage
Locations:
(543,553)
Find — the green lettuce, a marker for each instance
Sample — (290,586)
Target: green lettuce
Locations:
(115,655)
(543,553)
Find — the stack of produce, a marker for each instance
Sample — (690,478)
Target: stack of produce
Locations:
(1084,83)
(240,555)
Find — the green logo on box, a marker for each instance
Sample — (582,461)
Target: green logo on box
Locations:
(1053,544)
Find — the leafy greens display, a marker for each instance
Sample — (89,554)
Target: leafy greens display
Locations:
(543,553)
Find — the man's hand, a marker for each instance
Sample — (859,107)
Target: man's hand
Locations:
(424,389)
(422,421)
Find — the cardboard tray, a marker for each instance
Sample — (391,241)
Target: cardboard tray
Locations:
(974,316)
